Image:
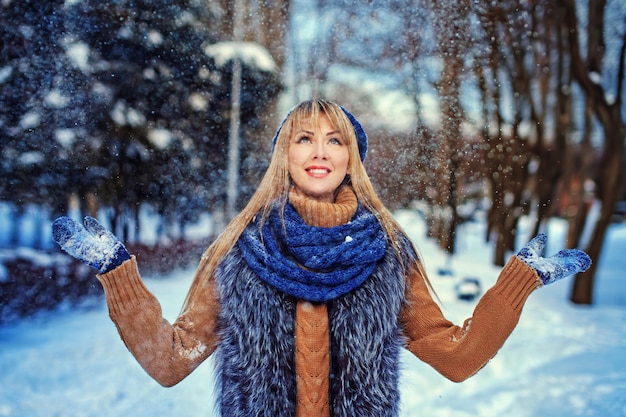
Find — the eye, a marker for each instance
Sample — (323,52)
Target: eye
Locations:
(303,139)
(335,141)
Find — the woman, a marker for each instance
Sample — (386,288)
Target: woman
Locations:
(312,290)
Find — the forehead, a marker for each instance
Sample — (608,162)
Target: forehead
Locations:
(319,121)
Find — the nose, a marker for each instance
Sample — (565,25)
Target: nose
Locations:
(319,151)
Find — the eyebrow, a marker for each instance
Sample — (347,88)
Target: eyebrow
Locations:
(334,132)
(308,132)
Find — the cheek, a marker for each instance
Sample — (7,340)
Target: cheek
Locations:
(344,161)
(294,156)
(292,159)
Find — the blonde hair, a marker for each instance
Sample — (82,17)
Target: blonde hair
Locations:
(276,183)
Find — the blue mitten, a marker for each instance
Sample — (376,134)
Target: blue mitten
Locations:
(565,263)
(91,244)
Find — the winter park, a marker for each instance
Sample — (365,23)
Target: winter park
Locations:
(245,263)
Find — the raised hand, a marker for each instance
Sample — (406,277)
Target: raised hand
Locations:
(91,244)
(565,263)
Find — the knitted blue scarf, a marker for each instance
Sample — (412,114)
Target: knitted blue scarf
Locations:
(316,264)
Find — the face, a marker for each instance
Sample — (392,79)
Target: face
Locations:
(318,159)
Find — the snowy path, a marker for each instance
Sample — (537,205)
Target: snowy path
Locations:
(562,360)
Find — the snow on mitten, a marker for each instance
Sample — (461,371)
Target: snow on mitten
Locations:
(565,263)
(91,244)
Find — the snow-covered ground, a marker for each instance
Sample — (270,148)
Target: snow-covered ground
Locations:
(562,360)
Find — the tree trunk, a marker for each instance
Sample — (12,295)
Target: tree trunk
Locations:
(611,178)
(611,175)
(452,50)
(448,158)
(582,164)
(234,140)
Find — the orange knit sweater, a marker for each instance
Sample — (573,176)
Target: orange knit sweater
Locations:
(169,352)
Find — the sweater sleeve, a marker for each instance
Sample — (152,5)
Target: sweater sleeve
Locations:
(168,352)
(459,352)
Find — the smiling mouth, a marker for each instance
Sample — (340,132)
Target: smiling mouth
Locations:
(318,172)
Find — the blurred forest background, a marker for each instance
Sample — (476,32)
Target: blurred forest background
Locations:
(503,108)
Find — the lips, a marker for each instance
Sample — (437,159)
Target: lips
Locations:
(318,172)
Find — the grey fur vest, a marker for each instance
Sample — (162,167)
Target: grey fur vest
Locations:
(255,357)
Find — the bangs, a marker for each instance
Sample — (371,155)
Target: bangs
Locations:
(309,112)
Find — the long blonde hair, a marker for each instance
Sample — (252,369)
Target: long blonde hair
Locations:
(275,186)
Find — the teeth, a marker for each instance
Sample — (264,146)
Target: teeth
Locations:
(318,171)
